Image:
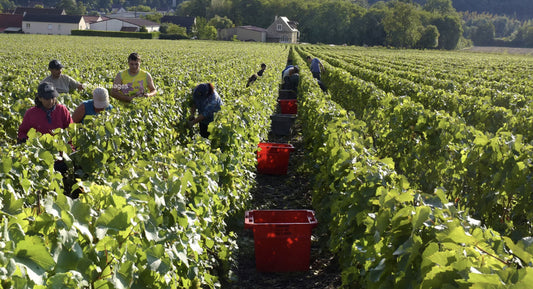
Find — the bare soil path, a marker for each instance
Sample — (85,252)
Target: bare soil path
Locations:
(291,191)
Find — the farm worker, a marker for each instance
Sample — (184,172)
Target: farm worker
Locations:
(316,67)
(46,115)
(99,103)
(255,76)
(133,82)
(286,70)
(207,101)
(62,83)
(291,81)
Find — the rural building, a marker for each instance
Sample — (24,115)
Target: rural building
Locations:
(52,24)
(283,30)
(89,19)
(10,23)
(183,21)
(244,33)
(125,24)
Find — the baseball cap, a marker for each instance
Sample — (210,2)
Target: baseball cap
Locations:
(100,97)
(47,91)
(55,64)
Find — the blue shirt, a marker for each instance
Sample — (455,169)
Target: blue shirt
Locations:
(90,110)
(315,65)
(207,106)
(285,71)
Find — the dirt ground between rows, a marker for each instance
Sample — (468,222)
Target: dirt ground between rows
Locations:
(291,191)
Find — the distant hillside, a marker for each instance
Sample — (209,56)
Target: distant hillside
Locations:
(522,9)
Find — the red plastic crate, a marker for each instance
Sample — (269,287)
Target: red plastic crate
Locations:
(273,158)
(288,106)
(282,238)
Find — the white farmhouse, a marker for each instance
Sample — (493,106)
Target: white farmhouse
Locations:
(283,30)
(52,24)
(125,24)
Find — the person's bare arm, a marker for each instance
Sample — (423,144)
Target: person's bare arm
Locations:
(79,113)
(151,87)
(117,93)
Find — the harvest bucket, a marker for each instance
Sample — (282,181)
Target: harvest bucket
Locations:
(282,123)
(282,238)
(288,106)
(273,158)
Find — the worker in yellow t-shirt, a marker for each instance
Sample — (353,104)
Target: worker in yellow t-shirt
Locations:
(133,82)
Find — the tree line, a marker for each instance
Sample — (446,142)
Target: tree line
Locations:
(428,24)
(397,23)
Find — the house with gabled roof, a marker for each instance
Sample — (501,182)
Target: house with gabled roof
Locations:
(52,24)
(90,19)
(125,24)
(283,30)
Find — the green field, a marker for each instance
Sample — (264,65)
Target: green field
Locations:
(422,165)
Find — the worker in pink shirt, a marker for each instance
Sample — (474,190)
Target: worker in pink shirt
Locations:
(46,115)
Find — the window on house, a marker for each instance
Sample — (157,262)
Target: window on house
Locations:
(279,28)
(58,26)
(49,26)
(28,25)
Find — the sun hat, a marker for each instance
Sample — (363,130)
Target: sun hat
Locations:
(47,91)
(55,64)
(100,97)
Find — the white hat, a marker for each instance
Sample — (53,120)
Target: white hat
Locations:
(100,97)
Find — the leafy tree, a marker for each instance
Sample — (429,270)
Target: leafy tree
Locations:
(356,30)
(246,11)
(155,17)
(402,25)
(220,7)
(450,30)
(176,30)
(204,31)
(524,37)
(483,33)
(220,22)
(194,8)
(140,8)
(6,4)
(429,37)
(373,30)
(334,19)
(173,29)
(439,6)
(72,7)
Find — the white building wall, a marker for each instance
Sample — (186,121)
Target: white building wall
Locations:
(110,25)
(31,27)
